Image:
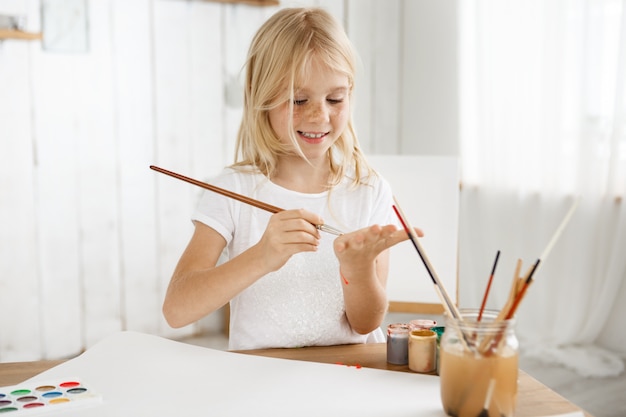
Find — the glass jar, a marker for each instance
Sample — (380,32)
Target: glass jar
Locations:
(479,365)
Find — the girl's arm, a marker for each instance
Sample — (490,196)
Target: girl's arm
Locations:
(364,265)
(199,286)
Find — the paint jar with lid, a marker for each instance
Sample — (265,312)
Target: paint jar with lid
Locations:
(398,344)
(423,351)
(439,331)
(421,324)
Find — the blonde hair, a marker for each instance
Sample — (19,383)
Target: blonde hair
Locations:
(277,58)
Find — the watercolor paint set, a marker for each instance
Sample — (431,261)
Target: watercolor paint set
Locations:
(38,398)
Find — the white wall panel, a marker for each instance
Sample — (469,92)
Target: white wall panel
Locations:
(131,35)
(19,279)
(429,108)
(58,114)
(96,164)
(173,85)
(373,26)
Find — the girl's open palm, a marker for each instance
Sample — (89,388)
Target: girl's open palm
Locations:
(360,248)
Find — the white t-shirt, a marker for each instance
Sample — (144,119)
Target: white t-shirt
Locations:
(302,303)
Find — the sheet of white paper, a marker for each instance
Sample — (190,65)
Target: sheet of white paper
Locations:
(143,375)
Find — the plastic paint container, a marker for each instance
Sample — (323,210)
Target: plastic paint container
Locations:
(398,344)
(422,324)
(423,351)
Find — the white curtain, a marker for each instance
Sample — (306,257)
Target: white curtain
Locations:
(543,108)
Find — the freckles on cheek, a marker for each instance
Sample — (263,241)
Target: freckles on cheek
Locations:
(342,114)
(295,116)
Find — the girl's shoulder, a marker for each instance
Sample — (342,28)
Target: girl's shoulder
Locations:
(239,179)
(234,174)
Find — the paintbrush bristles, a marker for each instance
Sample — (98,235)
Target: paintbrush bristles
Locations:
(515,287)
(519,286)
(520,294)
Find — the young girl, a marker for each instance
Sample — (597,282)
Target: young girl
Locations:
(289,284)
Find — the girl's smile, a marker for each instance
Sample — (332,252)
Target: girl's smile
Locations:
(311,137)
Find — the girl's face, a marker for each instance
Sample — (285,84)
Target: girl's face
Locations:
(321,111)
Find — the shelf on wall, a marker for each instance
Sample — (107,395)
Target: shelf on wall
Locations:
(18,34)
(250,2)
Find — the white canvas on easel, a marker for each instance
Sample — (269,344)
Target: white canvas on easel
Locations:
(427,189)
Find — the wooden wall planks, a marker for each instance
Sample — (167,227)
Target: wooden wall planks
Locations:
(90,235)
(19,275)
(140,291)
